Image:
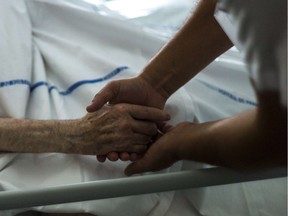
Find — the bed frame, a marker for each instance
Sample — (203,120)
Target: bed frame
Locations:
(130,186)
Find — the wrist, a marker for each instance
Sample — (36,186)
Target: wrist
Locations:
(194,142)
(161,78)
(70,136)
(155,81)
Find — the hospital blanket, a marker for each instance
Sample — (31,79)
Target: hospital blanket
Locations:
(54,57)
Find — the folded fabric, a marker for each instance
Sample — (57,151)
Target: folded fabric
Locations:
(54,57)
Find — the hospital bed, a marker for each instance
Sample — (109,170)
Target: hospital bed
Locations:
(106,41)
(133,186)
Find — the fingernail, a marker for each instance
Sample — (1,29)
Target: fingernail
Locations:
(90,103)
(88,108)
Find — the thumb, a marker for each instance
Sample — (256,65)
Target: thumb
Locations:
(101,98)
(149,162)
(145,164)
(136,167)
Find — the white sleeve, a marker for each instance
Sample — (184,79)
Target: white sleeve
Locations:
(259,30)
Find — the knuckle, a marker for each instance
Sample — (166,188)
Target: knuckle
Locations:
(120,107)
(111,84)
(126,124)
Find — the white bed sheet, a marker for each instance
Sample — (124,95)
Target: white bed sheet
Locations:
(55,55)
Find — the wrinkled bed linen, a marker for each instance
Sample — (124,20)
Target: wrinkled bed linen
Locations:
(55,56)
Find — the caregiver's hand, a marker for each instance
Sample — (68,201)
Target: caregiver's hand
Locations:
(135,91)
(248,140)
(120,127)
(164,152)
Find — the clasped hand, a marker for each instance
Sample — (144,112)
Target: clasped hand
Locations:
(116,128)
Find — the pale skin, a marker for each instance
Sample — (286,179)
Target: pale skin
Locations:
(248,140)
(122,127)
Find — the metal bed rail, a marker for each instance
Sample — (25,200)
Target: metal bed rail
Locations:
(132,186)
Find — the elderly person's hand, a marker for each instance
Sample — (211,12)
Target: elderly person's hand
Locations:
(120,127)
(124,91)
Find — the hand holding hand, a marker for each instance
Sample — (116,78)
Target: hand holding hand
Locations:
(124,91)
(121,127)
(164,152)
(135,91)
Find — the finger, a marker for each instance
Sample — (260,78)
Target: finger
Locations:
(113,156)
(135,156)
(144,127)
(102,97)
(164,127)
(139,166)
(124,156)
(137,148)
(147,163)
(147,113)
(132,142)
(101,158)
(126,143)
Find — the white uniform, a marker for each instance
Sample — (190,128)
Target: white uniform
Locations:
(259,30)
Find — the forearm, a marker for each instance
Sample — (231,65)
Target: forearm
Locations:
(198,43)
(244,141)
(35,136)
(122,127)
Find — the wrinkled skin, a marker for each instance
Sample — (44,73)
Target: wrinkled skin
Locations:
(124,91)
(121,127)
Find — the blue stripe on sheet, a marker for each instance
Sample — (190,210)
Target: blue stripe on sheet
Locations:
(76,85)
(14,82)
(228,94)
(69,90)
